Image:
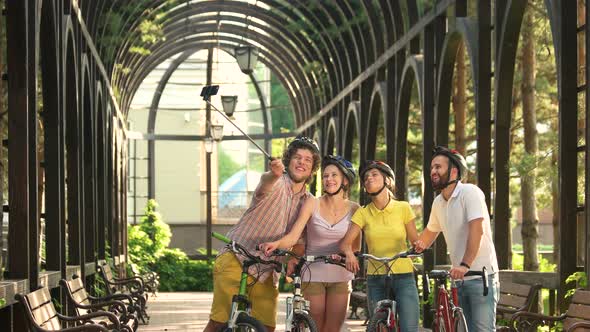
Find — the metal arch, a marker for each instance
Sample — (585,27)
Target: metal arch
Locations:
(245,8)
(352,53)
(388,24)
(330,50)
(413,18)
(152,118)
(101,157)
(376,35)
(71,106)
(85,76)
(295,46)
(265,116)
(358,35)
(327,52)
(270,64)
(446,71)
(332,133)
(53,138)
(508,33)
(377,105)
(166,51)
(291,63)
(337,51)
(242,8)
(352,127)
(160,89)
(413,72)
(164,54)
(398,19)
(86,133)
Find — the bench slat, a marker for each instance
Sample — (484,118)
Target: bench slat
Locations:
(515,289)
(38,298)
(511,301)
(581,297)
(579,311)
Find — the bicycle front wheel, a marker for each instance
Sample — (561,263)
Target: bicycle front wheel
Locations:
(303,322)
(245,323)
(459,322)
(378,323)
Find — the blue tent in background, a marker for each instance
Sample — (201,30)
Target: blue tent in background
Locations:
(234,192)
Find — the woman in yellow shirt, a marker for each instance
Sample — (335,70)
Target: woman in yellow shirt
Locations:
(388,225)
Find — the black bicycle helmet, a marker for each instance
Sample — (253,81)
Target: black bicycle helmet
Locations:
(383,168)
(455,159)
(344,165)
(304,141)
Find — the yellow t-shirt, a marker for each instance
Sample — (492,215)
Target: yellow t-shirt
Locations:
(385,234)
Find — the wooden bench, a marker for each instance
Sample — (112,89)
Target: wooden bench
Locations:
(516,297)
(575,319)
(86,304)
(132,286)
(150,279)
(42,316)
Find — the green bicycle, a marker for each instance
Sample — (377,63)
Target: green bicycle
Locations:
(240,318)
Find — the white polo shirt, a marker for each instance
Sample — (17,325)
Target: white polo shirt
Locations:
(452,217)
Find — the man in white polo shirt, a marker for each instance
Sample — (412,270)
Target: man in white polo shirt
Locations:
(461,214)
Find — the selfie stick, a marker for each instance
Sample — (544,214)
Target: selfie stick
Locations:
(211,90)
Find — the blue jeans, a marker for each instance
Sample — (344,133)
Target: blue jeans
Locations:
(479,310)
(405,293)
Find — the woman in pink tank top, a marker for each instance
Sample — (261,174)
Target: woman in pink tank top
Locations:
(325,221)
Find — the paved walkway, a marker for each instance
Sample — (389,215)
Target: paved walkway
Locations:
(178,312)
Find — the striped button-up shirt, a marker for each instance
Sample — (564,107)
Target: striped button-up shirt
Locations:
(269,217)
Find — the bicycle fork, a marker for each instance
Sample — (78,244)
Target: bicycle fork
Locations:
(295,303)
(239,302)
(389,307)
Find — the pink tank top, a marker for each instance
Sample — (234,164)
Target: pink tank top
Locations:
(324,239)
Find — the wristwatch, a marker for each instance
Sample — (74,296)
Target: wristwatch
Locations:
(465,264)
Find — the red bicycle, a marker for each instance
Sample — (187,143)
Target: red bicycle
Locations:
(449,316)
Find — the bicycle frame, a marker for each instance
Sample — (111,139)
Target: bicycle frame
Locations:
(388,306)
(447,305)
(240,302)
(297,303)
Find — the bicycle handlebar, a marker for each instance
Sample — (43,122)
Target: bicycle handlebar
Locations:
(239,249)
(443,275)
(406,254)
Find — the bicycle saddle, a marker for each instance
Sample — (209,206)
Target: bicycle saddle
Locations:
(385,303)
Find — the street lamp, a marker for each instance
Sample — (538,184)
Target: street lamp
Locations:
(208,144)
(216,132)
(246,56)
(229,105)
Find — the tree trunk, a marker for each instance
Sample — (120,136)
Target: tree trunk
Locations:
(459,100)
(530,219)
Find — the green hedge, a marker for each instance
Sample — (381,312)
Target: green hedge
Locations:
(148,249)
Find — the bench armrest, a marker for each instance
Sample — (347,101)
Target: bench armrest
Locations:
(585,325)
(114,320)
(525,319)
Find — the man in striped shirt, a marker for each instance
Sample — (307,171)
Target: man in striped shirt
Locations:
(272,212)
